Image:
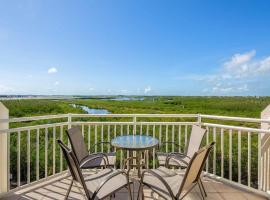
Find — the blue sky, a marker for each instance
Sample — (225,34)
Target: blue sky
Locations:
(137,47)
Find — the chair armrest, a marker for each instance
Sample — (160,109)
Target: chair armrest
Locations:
(109,178)
(177,157)
(97,156)
(92,149)
(159,178)
(181,155)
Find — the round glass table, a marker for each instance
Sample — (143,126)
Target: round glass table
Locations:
(135,143)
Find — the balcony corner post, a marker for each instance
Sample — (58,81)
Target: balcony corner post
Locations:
(4,149)
(263,153)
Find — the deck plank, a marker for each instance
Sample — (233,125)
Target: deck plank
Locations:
(55,189)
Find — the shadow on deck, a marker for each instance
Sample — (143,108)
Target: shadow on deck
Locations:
(56,188)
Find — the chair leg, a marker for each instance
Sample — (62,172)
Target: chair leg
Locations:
(202,194)
(200,182)
(69,189)
(129,191)
(140,191)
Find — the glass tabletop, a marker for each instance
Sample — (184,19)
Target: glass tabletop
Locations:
(134,142)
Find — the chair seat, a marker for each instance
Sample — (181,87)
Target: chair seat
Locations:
(99,161)
(173,179)
(161,156)
(93,182)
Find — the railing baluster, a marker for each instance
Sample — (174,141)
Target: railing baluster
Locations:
(114,134)
(61,153)
(54,149)
(28,156)
(239,156)
(19,159)
(108,138)
(89,137)
(102,137)
(215,151)
(83,130)
(121,153)
(95,138)
(207,142)
(166,138)
(179,137)
(37,155)
(186,136)
(222,152)
(160,134)
(147,151)
(259,163)
(141,129)
(127,134)
(173,138)
(46,152)
(230,154)
(154,149)
(249,158)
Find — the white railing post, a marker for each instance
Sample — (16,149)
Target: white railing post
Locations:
(69,120)
(263,153)
(69,125)
(4,150)
(134,124)
(199,119)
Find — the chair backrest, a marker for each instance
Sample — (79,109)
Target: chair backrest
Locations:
(195,167)
(195,140)
(73,166)
(77,143)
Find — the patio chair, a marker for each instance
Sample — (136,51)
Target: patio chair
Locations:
(182,159)
(84,157)
(97,186)
(171,185)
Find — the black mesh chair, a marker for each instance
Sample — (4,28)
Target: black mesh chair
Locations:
(97,186)
(182,159)
(84,157)
(171,185)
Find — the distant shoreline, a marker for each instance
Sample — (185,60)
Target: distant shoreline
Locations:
(99,97)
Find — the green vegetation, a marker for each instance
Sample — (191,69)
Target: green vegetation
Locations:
(229,106)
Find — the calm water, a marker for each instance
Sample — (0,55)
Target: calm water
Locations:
(127,99)
(91,110)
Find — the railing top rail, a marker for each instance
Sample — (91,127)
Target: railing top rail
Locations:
(228,118)
(246,129)
(34,118)
(135,115)
(242,119)
(26,128)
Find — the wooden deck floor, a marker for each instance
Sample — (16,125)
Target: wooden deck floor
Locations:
(56,188)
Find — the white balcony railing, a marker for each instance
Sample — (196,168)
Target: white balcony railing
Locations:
(241,155)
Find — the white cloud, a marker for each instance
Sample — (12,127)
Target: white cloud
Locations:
(147,89)
(52,70)
(235,75)
(56,83)
(243,65)
(228,89)
(239,59)
(91,88)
